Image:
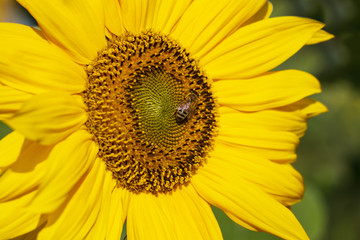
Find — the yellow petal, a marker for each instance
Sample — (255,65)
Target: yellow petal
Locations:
(75,219)
(311,107)
(27,172)
(31,64)
(68,162)
(77,26)
(10,148)
(32,234)
(320,36)
(49,117)
(268,125)
(207,23)
(166,14)
(134,14)
(270,90)
(290,118)
(110,221)
(117,209)
(303,109)
(272,119)
(14,220)
(126,197)
(11,100)
(275,155)
(158,15)
(180,215)
(113,18)
(247,204)
(259,47)
(263,13)
(281,181)
(273,145)
(306,107)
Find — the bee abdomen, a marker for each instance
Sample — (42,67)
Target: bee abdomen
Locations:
(181,115)
(186,108)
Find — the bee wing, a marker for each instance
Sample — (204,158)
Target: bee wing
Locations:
(192,107)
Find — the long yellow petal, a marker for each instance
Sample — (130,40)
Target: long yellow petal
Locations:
(10,148)
(117,207)
(310,107)
(272,119)
(126,197)
(320,36)
(77,26)
(259,47)
(27,172)
(14,220)
(113,17)
(247,204)
(158,15)
(276,155)
(303,109)
(207,23)
(180,215)
(262,14)
(31,64)
(11,101)
(49,117)
(166,14)
(270,90)
(134,14)
(79,153)
(75,219)
(110,220)
(290,118)
(258,138)
(281,181)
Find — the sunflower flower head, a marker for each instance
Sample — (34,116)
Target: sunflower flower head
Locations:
(150,112)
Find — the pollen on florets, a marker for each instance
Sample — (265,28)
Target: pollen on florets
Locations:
(135,86)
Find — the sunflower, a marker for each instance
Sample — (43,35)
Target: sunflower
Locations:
(151,112)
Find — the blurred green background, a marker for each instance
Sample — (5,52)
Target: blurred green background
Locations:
(329,154)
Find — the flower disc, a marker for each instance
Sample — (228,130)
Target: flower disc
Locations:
(151,111)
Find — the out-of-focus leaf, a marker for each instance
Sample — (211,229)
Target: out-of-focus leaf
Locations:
(312,212)
(4,130)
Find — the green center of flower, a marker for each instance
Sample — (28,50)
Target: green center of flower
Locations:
(155,95)
(151,111)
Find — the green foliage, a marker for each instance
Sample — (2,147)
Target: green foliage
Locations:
(4,130)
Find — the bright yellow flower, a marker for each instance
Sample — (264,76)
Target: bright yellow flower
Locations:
(150,112)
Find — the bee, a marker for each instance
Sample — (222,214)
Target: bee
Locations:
(186,108)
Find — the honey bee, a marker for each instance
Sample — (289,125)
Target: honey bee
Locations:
(186,108)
